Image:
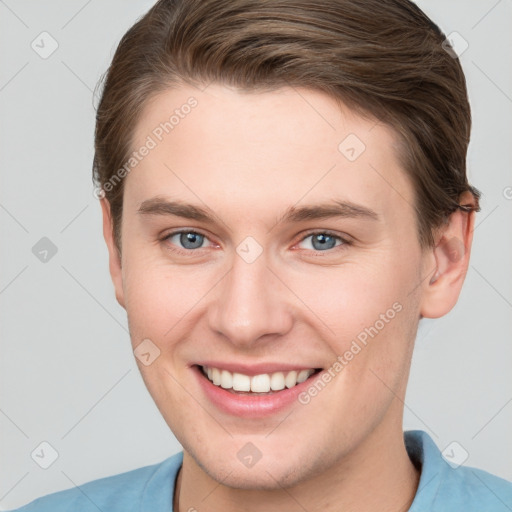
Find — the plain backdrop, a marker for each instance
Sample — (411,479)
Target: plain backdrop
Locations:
(68,376)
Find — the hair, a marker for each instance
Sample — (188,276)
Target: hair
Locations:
(385,59)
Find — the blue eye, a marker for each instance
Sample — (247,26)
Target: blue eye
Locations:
(187,239)
(322,241)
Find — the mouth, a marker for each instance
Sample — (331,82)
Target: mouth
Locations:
(253,396)
(261,384)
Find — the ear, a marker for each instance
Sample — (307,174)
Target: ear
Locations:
(114,256)
(448,261)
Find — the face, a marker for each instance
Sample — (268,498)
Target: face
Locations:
(267,233)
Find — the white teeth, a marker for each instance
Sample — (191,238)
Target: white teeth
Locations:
(291,379)
(262,383)
(277,381)
(302,376)
(226,379)
(216,376)
(241,382)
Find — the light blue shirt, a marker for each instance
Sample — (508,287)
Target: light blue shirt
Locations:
(442,488)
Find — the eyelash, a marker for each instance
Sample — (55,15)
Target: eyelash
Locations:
(344,241)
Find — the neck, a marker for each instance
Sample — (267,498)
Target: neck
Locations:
(377,475)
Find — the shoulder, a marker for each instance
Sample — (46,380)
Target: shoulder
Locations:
(446,486)
(118,493)
(475,490)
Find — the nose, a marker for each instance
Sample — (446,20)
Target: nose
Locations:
(251,303)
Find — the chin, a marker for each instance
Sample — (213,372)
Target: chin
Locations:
(265,475)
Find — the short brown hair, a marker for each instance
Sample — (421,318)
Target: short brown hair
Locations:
(383,58)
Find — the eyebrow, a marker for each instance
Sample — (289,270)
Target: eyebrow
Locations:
(344,209)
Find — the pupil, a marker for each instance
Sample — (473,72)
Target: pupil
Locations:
(324,241)
(191,240)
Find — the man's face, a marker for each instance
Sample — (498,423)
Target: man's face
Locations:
(257,285)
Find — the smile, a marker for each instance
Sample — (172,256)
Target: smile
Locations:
(262,383)
(257,395)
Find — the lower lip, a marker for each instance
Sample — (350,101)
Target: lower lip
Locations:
(250,406)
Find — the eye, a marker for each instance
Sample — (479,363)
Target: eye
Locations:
(188,240)
(323,241)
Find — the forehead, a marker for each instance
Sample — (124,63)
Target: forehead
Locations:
(260,149)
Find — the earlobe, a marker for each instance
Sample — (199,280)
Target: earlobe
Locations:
(114,256)
(451,255)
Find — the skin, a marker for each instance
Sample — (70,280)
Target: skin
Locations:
(248,157)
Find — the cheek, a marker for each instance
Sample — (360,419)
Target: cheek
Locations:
(368,316)
(158,298)
(348,299)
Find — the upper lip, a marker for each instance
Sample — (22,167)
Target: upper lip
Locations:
(255,369)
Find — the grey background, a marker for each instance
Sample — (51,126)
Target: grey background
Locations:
(67,372)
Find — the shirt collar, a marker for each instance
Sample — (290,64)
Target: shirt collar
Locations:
(427,459)
(423,452)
